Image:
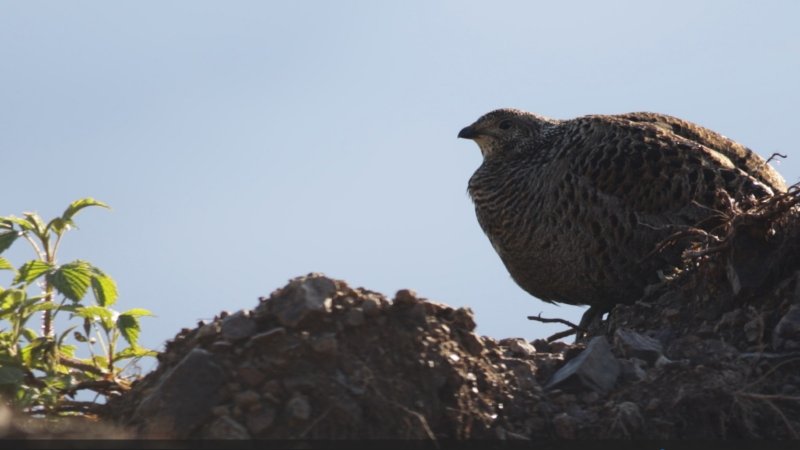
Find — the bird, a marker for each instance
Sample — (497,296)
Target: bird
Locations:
(577,208)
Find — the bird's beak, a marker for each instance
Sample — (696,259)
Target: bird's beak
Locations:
(468,133)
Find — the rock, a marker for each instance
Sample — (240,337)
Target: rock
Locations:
(524,373)
(634,345)
(519,346)
(266,338)
(631,370)
(250,375)
(303,297)
(246,399)
(595,368)
(260,421)
(298,407)
(754,330)
(238,326)
(354,317)
(208,331)
(325,344)
(630,417)
(184,397)
(472,343)
(464,318)
(371,306)
(223,347)
(405,297)
(565,426)
(226,427)
(786,335)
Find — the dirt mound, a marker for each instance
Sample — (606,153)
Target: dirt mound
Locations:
(713,352)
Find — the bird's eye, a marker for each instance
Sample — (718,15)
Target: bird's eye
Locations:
(504,125)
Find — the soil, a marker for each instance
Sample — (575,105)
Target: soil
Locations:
(713,352)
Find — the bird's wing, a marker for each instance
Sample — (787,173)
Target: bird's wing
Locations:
(641,168)
(742,157)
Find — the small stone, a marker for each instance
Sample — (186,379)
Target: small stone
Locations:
(221,347)
(299,408)
(260,421)
(663,361)
(221,410)
(354,317)
(405,297)
(519,346)
(247,398)
(670,313)
(524,373)
(564,425)
(272,387)
(266,338)
(472,343)
(630,417)
(226,428)
(238,326)
(541,345)
(302,298)
(303,381)
(558,346)
(371,306)
(250,375)
(631,370)
(590,397)
(208,331)
(786,335)
(595,368)
(325,344)
(464,319)
(653,404)
(754,330)
(633,344)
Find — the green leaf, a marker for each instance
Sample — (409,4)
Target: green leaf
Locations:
(11,375)
(22,223)
(59,225)
(11,298)
(99,361)
(72,279)
(134,352)
(64,334)
(138,312)
(97,314)
(103,288)
(6,239)
(128,326)
(29,334)
(36,222)
(31,270)
(42,306)
(78,205)
(67,350)
(5,265)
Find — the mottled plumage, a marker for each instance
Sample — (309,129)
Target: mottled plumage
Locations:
(574,207)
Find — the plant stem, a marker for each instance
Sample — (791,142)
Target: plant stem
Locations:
(47,317)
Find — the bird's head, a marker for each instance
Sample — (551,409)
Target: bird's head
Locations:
(507,129)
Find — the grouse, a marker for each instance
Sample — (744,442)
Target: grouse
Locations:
(576,208)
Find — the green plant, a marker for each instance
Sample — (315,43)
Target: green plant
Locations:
(39,371)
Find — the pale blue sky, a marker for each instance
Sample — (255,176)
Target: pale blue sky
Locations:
(243,143)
